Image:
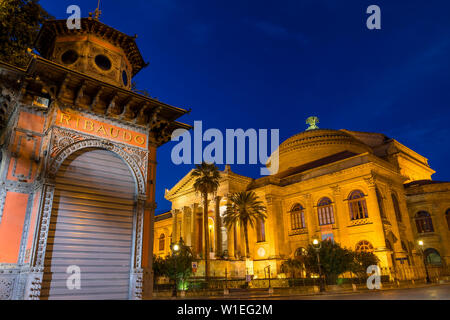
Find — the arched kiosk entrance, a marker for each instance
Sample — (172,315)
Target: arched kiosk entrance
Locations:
(91,228)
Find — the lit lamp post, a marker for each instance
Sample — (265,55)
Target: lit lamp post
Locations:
(175,250)
(317,245)
(424,261)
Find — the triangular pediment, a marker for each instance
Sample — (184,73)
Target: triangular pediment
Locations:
(229,182)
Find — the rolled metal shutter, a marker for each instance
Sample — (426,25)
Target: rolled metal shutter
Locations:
(91,227)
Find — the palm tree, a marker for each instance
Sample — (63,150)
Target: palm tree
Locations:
(244,208)
(207,182)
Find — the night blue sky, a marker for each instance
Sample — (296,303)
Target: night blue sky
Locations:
(271,64)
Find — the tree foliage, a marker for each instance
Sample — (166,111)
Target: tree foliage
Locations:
(207,178)
(334,260)
(244,209)
(20,21)
(175,266)
(361,261)
(293,265)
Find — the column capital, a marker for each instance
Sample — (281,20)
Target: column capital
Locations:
(336,189)
(307,196)
(185,208)
(270,198)
(371,181)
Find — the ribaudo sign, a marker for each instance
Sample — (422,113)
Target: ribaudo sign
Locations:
(80,123)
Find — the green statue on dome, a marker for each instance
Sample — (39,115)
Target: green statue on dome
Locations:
(312,121)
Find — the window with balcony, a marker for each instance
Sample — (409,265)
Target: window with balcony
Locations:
(298,217)
(424,223)
(162,242)
(325,211)
(357,205)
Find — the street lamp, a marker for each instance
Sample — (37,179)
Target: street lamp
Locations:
(175,250)
(317,245)
(424,261)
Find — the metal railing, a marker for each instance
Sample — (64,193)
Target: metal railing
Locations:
(398,274)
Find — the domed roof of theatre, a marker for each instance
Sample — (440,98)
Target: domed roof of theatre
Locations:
(316,137)
(312,145)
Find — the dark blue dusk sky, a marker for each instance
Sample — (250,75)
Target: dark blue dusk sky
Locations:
(271,64)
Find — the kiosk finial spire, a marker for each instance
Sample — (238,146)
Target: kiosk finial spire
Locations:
(97,11)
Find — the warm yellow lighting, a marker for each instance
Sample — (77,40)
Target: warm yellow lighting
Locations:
(420,243)
(210,226)
(315,241)
(176,247)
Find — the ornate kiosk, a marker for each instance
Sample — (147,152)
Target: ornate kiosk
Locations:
(78,167)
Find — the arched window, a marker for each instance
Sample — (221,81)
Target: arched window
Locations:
(447,216)
(364,246)
(260,231)
(424,223)
(300,252)
(432,257)
(357,205)
(325,211)
(380,203)
(298,217)
(397,211)
(162,242)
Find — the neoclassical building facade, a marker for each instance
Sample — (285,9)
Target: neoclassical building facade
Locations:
(363,190)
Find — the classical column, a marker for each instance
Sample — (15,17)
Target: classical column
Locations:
(194,231)
(218,227)
(237,241)
(397,247)
(275,219)
(182,226)
(174,225)
(187,226)
(341,217)
(230,247)
(375,218)
(406,221)
(205,234)
(310,216)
